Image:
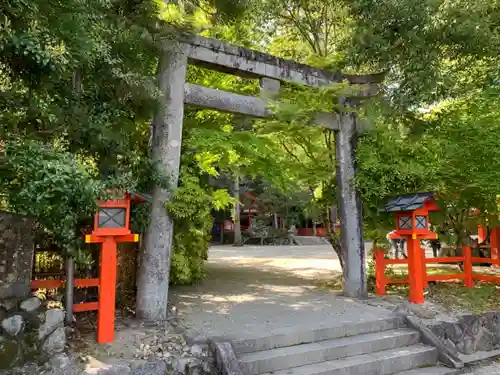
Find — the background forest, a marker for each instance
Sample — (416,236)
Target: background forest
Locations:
(78,92)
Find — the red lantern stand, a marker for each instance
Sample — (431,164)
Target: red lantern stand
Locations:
(111,226)
(482,234)
(413,225)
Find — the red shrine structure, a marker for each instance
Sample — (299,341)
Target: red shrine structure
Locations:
(111,226)
(412,224)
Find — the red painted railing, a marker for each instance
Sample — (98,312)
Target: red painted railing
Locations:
(78,283)
(468,276)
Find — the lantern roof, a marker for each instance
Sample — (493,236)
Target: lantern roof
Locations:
(138,197)
(409,202)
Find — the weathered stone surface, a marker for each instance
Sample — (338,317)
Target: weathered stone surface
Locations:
(251,106)
(242,61)
(14,290)
(10,352)
(468,346)
(153,282)
(351,235)
(194,368)
(197,350)
(55,343)
(13,325)
(415,309)
(60,361)
(54,319)
(448,357)
(451,345)
(9,304)
(16,255)
(180,363)
(485,340)
(31,304)
(226,362)
(452,331)
(152,368)
(470,333)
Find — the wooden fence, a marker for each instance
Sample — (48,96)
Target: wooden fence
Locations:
(467,276)
(49,274)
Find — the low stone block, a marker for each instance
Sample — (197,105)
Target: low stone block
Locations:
(60,361)
(13,325)
(54,319)
(180,364)
(485,340)
(226,362)
(55,343)
(468,346)
(32,304)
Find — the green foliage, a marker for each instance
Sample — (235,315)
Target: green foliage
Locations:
(432,50)
(191,210)
(52,185)
(455,155)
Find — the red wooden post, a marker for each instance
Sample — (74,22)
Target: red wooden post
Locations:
(495,242)
(416,279)
(468,279)
(107,292)
(481,234)
(424,268)
(379,272)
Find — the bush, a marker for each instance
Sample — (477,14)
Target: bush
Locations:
(53,186)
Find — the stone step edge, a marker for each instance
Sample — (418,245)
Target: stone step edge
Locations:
(291,336)
(376,361)
(328,350)
(434,370)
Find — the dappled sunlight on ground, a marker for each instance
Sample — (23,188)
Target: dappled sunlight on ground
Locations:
(251,291)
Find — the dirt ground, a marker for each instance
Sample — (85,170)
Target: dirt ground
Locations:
(254,290)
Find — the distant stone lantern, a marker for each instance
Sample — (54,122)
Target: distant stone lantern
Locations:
(412,224)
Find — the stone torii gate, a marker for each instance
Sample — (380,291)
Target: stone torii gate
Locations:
(167,137)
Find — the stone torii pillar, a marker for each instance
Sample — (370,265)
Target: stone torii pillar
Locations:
(167,131)
(351,208)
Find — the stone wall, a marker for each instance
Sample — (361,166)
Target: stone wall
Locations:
(16,254)
(29,332)
(470,333)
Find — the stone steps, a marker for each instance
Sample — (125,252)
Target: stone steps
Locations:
(435,370)
(310,240)
(327,350)
(385,362)
(294,336)
(375,347)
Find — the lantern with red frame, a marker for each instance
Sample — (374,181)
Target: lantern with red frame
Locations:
(412,214)
(111,226)
(112,218)
(412,223)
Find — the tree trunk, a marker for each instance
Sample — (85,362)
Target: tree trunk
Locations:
(153,282)
(237,221)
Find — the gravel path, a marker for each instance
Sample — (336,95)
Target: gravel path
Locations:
(253,291)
